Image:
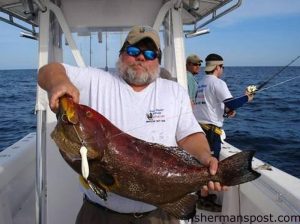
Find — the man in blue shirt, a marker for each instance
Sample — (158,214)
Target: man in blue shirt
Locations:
(193,64)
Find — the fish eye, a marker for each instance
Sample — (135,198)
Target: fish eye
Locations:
(64,118)
(88,114)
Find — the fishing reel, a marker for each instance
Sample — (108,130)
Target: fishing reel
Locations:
(251,89)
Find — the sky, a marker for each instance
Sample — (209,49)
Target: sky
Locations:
(258,33)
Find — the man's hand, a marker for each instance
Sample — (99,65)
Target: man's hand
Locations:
(250,91)
(60,90)
(197,145)
(250,96)
(212,163)
(54,80)
(230,113)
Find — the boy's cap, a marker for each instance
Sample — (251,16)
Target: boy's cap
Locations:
(212,61)
(211,65)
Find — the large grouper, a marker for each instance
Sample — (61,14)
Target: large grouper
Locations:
(166,177)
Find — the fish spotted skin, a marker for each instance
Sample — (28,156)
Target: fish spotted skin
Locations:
(166,177)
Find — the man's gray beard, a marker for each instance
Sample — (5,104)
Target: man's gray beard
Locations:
(129,74)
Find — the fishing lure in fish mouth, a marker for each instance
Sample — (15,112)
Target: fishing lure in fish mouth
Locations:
(84,160)
(83,150)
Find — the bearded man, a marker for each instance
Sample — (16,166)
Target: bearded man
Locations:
(139,102)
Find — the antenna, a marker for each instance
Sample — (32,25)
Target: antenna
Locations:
(196,33)
(32,36)
(106,49)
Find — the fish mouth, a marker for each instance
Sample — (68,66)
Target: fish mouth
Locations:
(67,110)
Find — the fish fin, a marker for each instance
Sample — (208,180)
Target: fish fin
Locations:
(184,209)
(83,182)
(100,191)
(100,182)
(237,169)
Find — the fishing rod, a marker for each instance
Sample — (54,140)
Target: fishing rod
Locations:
(252,89)
(278,84)
(255,88)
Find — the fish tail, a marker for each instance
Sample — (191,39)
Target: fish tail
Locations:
(237,169)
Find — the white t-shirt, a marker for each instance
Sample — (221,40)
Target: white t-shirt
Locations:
(209,106)
(161,113)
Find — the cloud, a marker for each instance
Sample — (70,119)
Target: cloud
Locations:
(251,9)
(264,8)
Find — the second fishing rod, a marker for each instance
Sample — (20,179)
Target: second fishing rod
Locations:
(234,103)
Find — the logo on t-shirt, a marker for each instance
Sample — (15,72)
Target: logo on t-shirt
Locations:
(155,115)
(200,99)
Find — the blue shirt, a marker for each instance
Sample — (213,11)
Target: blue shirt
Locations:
(192,86)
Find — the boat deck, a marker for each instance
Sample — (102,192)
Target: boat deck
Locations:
(26,213)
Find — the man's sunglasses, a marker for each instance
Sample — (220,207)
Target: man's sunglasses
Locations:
(196,64)
(135,51)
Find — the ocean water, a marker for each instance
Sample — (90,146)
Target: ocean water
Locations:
(270,124)
(17,101)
